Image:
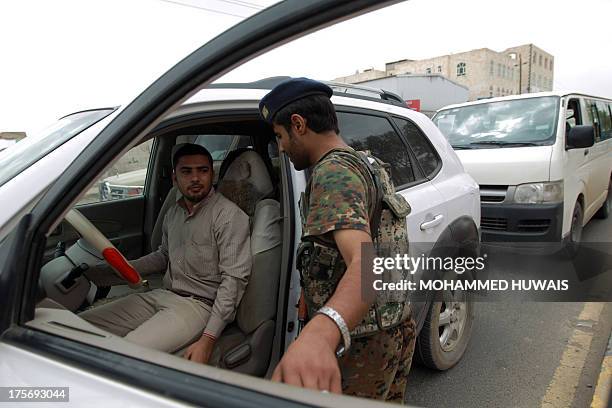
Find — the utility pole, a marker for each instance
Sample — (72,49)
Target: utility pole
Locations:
(514,56)
(530,61)
(520,66)
(520,74)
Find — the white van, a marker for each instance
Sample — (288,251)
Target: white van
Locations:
(543,162)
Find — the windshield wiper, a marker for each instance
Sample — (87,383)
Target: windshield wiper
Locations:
(461,147)
(501,143)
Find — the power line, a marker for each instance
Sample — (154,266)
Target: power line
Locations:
(203,8)
(243,4)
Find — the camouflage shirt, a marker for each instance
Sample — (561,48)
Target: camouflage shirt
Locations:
(338,196)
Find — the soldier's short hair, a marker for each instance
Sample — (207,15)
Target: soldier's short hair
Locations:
(318,110)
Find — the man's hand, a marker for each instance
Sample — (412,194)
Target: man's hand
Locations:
(201,350)
(310,362)
(102,274)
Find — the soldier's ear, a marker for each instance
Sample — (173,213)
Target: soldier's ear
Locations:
(298,122)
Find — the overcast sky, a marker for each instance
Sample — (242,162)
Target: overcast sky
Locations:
(60,56)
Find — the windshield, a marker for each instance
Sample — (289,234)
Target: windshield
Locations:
(31,149)
(519,122)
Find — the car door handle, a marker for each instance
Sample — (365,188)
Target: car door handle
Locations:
(433,223)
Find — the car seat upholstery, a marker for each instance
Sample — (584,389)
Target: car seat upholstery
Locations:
(245,180)
(245,345)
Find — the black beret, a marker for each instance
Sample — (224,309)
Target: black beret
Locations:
(290,91)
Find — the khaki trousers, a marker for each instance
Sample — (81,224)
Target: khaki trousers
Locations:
(159,319)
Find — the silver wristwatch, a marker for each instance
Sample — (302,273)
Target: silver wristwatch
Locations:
(337,318)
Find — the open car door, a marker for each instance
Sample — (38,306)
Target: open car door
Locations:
(51,359)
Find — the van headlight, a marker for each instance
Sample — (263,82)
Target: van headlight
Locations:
(538,193)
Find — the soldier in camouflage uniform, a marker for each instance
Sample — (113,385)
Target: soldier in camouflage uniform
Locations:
(337,209)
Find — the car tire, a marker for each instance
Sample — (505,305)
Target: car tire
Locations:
(604,211)
(572,242)
(441,344)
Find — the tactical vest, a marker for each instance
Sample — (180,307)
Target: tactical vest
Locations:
(321,265)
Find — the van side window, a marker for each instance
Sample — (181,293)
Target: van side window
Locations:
(605,121)
(593,118)
(573,119)
(573,116)
(376,134)
(424,152)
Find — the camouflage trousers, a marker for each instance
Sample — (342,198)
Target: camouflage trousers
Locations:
(377,366)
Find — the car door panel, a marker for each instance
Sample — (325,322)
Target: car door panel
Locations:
(426,204)
(121,221)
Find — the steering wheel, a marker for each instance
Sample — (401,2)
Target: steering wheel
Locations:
(95,238)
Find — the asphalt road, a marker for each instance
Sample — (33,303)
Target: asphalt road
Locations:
(525,354)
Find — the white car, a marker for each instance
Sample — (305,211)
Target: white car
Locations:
(543,162)
(49,233)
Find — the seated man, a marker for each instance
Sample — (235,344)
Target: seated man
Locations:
(206,255)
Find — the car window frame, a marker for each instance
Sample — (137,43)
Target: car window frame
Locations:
(418,173)
(438,169)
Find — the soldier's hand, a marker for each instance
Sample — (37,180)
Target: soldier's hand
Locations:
(311,362)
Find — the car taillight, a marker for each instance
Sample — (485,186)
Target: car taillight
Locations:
(133,191)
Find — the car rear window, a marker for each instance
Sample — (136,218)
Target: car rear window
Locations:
(28,151)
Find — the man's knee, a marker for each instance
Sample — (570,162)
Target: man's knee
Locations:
(182,325)
(120,316)
(102,320)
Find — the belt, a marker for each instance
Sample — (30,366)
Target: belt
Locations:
(200,298)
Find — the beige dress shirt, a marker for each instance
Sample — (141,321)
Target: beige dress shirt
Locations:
(206,254)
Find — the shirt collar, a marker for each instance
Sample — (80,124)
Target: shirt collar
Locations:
(180,200)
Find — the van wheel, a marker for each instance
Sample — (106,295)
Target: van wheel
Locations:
(604,211)
(446,331)
(572,244)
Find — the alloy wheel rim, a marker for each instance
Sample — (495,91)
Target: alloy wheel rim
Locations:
(451,323)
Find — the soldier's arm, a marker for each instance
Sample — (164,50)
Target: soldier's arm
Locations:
(311,361)
(347,299)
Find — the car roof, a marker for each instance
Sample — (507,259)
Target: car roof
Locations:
(339,88)
(516,97)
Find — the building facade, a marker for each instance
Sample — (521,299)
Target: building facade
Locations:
(486,73)
(536,67)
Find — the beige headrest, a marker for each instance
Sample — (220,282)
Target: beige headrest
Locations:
(246,181)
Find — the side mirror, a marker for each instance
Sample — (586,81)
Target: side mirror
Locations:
(580,136)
